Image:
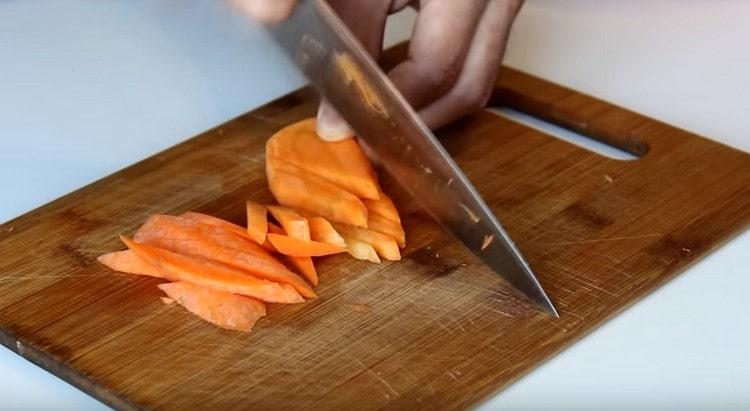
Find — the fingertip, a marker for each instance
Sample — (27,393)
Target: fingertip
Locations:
(330,126)
(267,11)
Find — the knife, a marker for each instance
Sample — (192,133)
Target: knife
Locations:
(344,73)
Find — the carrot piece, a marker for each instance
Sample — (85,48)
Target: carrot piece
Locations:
(206,273)
(306,267)
(167,300)
(384,207)
(216,222)
(316,195)
(226,310)
(342,162)
(301,248)
(257,221)
(183,236)
(361,250)
(322,230)
(303,264)
(377,222)
(291,221)
(384,244)
(127,262)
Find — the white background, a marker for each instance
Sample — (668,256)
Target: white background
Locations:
(89,87)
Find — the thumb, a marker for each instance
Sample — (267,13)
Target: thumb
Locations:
(330,125)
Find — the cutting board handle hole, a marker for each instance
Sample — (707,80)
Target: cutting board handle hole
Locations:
(570,136)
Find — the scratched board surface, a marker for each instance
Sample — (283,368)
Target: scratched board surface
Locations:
(435,330)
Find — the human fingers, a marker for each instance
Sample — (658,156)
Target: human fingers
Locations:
(475,83)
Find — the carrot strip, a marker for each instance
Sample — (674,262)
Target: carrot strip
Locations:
(127,262)
(183,236)
(384,244)
(206,273)
(303,264)
(301,248)
(342,163)
(216,222)
(361,250)
(226,310)
(257,221)
(377,222)
(384,207)
(291,221)
(313,194)
(322,230)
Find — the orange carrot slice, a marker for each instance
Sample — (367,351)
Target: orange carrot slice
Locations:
(206,273)
(322,230)
(342,163)
(384,244)
(315,195)
(303,264)
(377,222)
(361,250)
(184,236)
(216,222)
(226,310)
(127,262)
(384,207)
(301,248)
(291,221)
(257,221)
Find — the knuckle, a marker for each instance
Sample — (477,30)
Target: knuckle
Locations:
(474,98)
(441,77)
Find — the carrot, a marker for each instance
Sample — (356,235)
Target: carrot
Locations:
(127,262)
(384,244)
(384,207)
(361,250)
(301,248)
(216,222)
(257,221)
(180,235)
(303,264)
(377,222)
(342,163)
(322,230)
(226,310)
(291,221)
(206,273)
(315,195)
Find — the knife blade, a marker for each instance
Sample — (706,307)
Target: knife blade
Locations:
(344,74)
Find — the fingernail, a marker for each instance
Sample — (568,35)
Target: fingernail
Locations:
(330,126)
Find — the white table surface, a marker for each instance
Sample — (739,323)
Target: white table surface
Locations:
(87,88)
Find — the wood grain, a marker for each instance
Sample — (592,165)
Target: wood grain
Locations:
(434,331)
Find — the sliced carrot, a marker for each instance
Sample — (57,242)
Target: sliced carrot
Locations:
(127,262)
(291,221)
(226,310)
(216,222)
(257,221)
(322,230)
(384,207)
(306,267)
(361,250)
(385,245)
(343,163)
(180,235)
(206,273)
(303,264)
(302,248)
(315,195)
(377,222)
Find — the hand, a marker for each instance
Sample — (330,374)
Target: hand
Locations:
(454,54)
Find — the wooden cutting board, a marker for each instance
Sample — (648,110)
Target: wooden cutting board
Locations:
(435,330)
